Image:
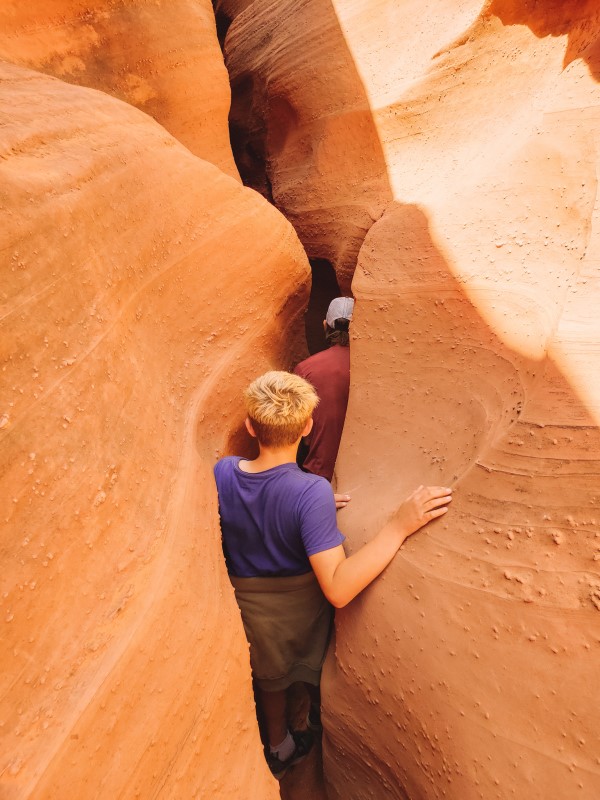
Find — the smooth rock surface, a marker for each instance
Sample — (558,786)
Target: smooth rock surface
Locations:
(163,58)
(125,346)
(468,670)
(302,127)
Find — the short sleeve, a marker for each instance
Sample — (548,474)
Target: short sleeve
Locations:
(317,521)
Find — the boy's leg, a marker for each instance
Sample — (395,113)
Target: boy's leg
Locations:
(314,692)
(286,747)
(274,708)
(314,713)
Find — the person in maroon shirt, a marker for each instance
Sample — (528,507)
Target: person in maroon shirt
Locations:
(329,373)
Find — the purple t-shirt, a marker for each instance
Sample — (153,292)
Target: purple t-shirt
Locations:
(273,520)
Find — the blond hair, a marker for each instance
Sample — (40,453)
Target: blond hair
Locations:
(279,405)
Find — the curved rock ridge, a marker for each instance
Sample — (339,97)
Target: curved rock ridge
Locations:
(302,127)
(468,670)
(142,289)
(163,58)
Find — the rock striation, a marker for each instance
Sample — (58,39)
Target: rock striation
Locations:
(473,366)
(302,128)
(449,151)
(142,289)
(163,58)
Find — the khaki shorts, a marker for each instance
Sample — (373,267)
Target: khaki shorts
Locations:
(288,624)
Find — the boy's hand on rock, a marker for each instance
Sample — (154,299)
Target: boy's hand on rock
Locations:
(423,505)
(341,500)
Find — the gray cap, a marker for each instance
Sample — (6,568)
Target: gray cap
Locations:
(339,308)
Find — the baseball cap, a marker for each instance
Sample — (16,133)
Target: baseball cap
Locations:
(339,308)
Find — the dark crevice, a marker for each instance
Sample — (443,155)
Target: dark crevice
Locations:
(223,22)
(248,138)
(247,133)
(324,288)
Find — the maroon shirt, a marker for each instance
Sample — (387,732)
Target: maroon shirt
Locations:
(329,372)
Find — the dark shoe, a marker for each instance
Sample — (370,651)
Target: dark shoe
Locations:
(304,741)
(313,720)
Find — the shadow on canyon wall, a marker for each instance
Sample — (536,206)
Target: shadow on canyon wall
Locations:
(440,667)
(579,21)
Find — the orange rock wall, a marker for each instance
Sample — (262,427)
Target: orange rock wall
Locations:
(163,58)
(471,129)
(142,289)
(300,101)
(474,366)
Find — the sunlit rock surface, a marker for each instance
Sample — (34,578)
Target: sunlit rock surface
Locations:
(162,57)
(469,670)
(142,289)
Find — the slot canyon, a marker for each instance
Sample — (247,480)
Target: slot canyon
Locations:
(184,186)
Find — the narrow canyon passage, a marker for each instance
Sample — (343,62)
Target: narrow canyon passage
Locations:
(439,160)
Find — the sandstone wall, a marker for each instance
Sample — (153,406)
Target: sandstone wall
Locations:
(302,127)
(462,142)
(162,57)
(125,345)
(475,365)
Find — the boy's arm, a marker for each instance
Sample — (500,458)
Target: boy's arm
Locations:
(342,578)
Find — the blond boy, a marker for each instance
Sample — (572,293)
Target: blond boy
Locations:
(284,553)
